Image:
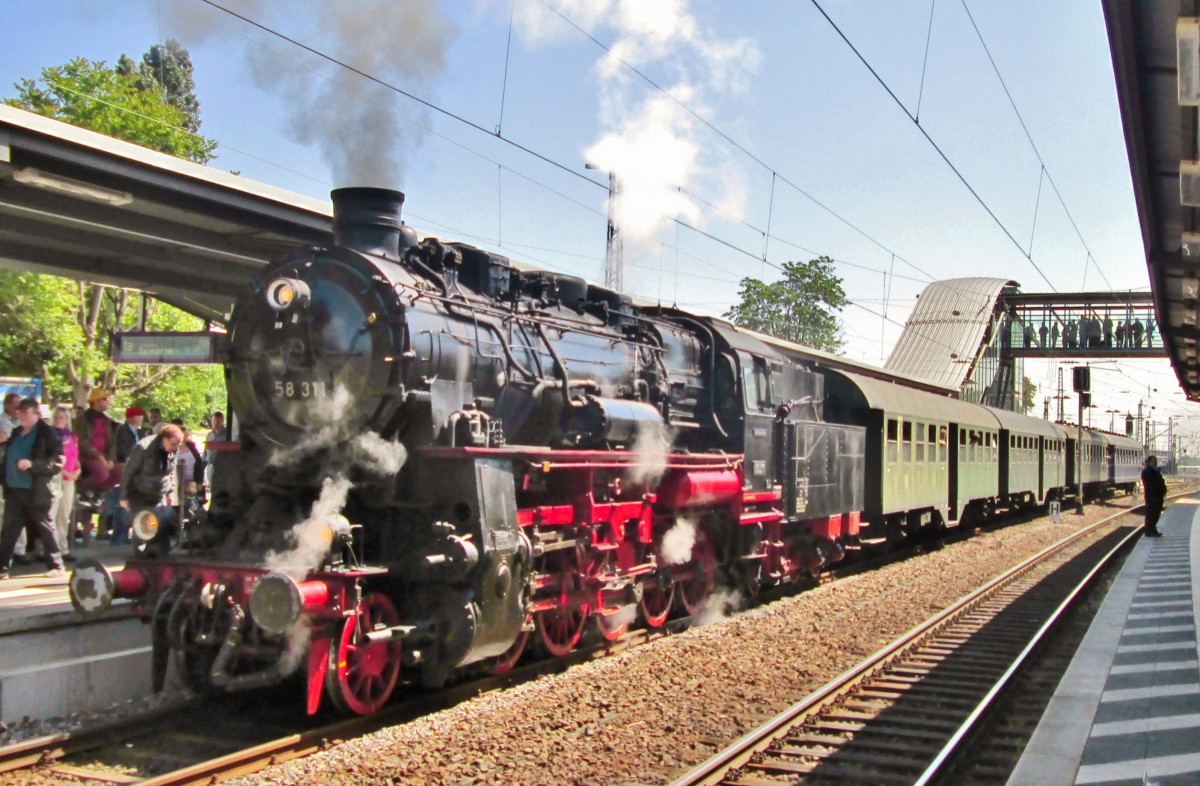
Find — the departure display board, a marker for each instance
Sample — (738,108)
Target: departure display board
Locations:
(164,348)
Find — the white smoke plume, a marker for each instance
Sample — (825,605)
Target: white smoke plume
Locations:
(298,636)
(651,448)
(653,145)
(310,538)
(720,604)
(330,425)
(678,542)
(364,129)
(626,615)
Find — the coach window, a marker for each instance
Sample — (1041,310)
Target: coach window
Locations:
(932,443)
(893,434)
(942,444)
(919,442)
(906,447)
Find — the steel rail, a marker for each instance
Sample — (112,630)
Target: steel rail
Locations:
(952,745)
(741,750)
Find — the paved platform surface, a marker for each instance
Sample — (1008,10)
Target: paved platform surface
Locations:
(29,599)
(1128,708)
(52,663)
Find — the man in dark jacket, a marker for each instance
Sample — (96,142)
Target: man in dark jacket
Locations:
(1155,489)
(129,432)
(32,456)
(149,476)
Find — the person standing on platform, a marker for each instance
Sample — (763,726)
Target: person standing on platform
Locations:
(1155,489)
(129,432)
(1054,336)
(149,477)
(217,434)
(64,515)
(98,445)
(32,458)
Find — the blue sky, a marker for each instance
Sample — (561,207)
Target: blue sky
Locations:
(827,158)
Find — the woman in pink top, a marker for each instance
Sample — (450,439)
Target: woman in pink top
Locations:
(64,516)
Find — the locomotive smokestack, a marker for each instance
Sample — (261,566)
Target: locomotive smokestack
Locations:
(368,220)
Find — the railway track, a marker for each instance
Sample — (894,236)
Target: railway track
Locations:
(173,747)
(901,715)
(202,742)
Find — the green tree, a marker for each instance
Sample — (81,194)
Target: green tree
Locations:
(91,95)
(1028,395)
(61,330)
(167,67)
(800,307)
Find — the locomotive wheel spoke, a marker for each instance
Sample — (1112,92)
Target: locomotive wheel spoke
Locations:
(561,628)
(362,675)
(656,603)
(609,627)
(506,661)
(697,582)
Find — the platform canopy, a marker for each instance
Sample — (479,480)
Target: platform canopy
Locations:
(83,205)
(1156,60)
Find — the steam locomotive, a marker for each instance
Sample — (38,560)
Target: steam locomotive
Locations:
(442,457)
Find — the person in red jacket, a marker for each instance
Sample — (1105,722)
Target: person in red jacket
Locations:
(98,445)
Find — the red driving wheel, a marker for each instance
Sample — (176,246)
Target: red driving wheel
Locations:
(698,576)
(657,599)
(508,659)
(562,626)
(361,674)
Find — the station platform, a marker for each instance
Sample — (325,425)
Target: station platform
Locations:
(1127,711)
(31,600)
(54,664)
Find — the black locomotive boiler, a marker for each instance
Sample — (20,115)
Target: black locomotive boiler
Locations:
(441,456)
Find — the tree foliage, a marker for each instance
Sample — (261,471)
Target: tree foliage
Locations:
(129,105)
(1028,395)
(167,67)
(800,307)
(62,330)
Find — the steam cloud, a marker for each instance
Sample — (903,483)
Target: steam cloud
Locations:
(651,448)
(329,428)
(678,542)
(356,122)
(651,143)
(720,604)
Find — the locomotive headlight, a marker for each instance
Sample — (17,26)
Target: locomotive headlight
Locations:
(278,600)
(283,293)
(145,525)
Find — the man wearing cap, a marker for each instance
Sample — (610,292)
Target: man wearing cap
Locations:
(129,433)
(98,445)
(32,456)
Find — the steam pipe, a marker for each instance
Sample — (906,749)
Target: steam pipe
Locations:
(221,678)
(558,364)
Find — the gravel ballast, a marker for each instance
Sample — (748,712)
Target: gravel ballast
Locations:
(651,712)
